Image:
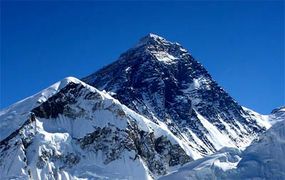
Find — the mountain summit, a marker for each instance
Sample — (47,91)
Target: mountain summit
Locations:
(151,39)
(160,48)
(162,81)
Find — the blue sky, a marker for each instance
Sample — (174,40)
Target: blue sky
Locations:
(240,43)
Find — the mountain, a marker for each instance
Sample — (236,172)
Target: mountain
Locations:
(263,159)
(162,81)
(71,130)
(144,116)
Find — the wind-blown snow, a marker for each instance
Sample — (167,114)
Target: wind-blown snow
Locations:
(164,57)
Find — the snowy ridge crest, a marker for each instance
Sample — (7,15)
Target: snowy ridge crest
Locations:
(80,127)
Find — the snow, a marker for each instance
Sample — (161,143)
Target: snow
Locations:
(15,115)
(12,117)
(263,159)
(218,139)
(161,129)
(14,165)
(199,83)
(262,120)
(164,57)
(56,136)
(151,37)
(221,161)
(92,167)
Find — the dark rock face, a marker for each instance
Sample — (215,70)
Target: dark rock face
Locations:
(66,160)
(171,90)
(158,153)
(58,103)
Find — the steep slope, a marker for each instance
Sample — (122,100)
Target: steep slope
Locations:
(277,115)
(15,115)
(72,131)
(264,159)
(162,81)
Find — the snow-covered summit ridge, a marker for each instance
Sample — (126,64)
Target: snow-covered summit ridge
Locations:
(15,115)
(46,92)
(152,39)
(160,48)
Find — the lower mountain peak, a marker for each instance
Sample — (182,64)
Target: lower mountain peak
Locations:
(78,131)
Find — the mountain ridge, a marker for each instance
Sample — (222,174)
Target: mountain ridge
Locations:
(150,112)
(62,136)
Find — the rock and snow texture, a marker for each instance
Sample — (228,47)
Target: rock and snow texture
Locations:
(156,109)
(80,132)
(263,159)
(15,115)
(162,81)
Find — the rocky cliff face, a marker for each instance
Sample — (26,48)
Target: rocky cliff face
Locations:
(162,81)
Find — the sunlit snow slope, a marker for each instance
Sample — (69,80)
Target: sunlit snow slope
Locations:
(264,159)
(80,132)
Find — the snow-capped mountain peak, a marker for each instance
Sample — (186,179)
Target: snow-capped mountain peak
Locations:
(148,113)
(162,81)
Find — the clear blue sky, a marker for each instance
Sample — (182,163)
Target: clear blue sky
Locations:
(240,43)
